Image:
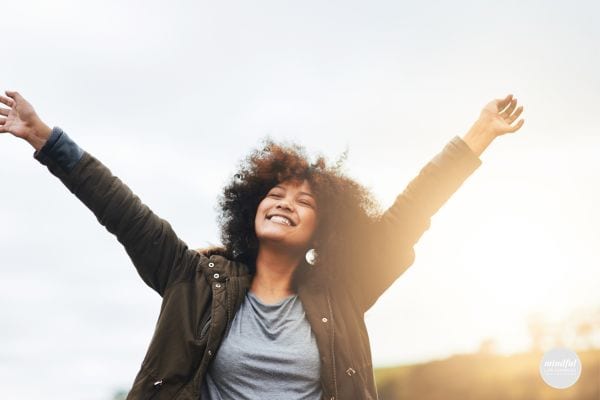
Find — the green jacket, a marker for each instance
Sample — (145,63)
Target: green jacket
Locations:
(201,293)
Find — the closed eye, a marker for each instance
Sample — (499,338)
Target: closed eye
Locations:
(277,195)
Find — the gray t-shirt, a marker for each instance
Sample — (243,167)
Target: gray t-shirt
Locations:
(270,352)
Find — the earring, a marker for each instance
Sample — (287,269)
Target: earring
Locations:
(311,256)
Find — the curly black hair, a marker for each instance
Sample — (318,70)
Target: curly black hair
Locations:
(347,209)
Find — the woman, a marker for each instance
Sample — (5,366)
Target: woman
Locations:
(277,311)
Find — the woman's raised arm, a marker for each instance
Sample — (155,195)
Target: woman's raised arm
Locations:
(388,249)
(160,257)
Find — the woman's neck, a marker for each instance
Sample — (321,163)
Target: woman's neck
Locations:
(274,273)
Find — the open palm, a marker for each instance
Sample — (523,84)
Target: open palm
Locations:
(20,118)
(499,115)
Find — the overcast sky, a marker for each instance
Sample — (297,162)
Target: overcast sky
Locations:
(172,95)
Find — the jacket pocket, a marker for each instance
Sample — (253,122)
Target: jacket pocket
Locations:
(205,328)
(204,325)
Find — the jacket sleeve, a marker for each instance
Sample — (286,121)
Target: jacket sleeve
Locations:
(159,256)
(388,248)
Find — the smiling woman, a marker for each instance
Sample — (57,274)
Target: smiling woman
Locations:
(295,206)
(253,319)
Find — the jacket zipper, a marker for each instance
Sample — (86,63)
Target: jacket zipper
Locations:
(332,345)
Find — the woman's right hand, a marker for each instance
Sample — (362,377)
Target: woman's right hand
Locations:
(22,120)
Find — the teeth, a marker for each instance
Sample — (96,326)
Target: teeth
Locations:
(283,220)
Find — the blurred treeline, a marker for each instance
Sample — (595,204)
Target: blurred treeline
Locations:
(490,376)
(486,376)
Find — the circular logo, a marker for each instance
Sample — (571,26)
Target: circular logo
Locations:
(560,367)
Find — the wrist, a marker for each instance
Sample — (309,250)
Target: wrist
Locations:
(478,138)
(40,132)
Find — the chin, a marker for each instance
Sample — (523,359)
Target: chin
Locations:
(279,241)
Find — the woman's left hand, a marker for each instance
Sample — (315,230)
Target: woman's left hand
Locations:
(498,115)
(496,119)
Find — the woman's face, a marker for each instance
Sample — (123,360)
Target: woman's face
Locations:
(287,215)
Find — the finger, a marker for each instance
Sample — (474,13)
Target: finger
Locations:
(510,109)
(515,115)
(12,93)
(7,101)
(2,126)
(503,102)
(517,126)
(4,111)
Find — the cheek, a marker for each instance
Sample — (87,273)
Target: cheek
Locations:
(262,206)
(257,218)
(261,211)
(312,218)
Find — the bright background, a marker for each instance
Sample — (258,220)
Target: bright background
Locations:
(171,95)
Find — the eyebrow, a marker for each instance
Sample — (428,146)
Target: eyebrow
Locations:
(281,187)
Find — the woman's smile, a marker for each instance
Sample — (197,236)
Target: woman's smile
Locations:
(280,220)
(287,205)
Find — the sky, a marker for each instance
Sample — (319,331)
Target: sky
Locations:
(172,95)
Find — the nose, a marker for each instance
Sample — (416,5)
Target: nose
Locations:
(284,203)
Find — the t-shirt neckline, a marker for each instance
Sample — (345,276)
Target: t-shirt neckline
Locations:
(280,302)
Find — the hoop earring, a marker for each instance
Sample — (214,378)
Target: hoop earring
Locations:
(311,257)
